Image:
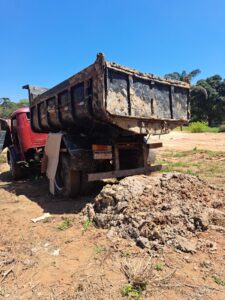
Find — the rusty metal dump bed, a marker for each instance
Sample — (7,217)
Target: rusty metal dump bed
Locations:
(108,93)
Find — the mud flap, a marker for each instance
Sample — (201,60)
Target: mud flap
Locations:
(52,149)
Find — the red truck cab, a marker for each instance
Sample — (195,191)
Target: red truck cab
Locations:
(25,148)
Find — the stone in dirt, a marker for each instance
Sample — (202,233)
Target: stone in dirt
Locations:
(167,209)
(184,245)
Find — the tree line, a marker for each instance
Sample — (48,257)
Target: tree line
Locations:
(207,97)
(7,107)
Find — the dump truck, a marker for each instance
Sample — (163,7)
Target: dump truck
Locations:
(25,147)
(100,123)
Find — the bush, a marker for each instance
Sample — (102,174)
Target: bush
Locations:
(222,128)
(196,127)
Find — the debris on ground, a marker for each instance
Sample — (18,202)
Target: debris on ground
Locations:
(168,209)
(41,218)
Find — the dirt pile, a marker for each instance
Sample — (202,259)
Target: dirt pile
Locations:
(168,209)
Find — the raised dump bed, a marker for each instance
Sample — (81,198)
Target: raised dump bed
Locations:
(110,93)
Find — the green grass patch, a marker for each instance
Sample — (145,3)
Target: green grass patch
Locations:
(198,127)
(206,164)
(159,266)
(65,224)
(87,224)
(132,292)
(99,249)
(218,280)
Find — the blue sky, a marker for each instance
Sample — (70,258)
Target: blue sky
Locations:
(42,42)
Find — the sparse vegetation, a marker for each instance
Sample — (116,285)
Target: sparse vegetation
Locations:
(218,280)
(86,225)
(198,127)
(138,271)
(198,162)
(131,292)
(125,253)
(99,249)
(159,266)
(47,220)
(65,224)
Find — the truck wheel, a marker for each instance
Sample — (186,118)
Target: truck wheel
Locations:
(67,181)
(15,170)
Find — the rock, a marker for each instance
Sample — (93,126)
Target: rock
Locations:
(142,242)
(206,264)
(202,221)
(101,220)
(184,245)
(187,259)
(211,245)
(90,211)
(121,206)
(111,234)
(217,217)
(217,204)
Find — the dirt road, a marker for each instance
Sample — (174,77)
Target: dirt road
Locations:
(177,140)
(67,257)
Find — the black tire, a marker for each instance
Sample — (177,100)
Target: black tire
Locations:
(67,181)
(16,171)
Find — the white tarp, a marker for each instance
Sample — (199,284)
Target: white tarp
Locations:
(52,149)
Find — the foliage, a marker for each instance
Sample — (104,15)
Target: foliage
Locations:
(86,225)
(132,292)
(65,224)
(219,280)
(99,249)
(183,76)
(159,266)
(208,100)
(7,107)
(196,127)
(192,127)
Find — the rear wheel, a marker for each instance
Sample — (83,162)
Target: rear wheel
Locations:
(67,181)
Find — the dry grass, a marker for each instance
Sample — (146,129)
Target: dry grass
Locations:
(138,271)
(207,164)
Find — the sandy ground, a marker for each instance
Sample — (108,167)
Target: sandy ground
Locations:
(187,141)
(39,261)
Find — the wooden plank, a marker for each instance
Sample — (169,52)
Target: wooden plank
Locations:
(123,173)
(155,145)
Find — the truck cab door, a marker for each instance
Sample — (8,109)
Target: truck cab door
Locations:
(5,134)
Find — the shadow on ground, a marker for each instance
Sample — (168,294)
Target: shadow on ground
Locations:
(36,189)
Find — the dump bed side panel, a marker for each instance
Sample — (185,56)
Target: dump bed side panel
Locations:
(131,96)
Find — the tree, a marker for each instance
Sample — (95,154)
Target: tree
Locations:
(183,76)
(7,107)
(208,100)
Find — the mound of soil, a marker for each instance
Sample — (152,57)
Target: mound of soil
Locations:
(168,209)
